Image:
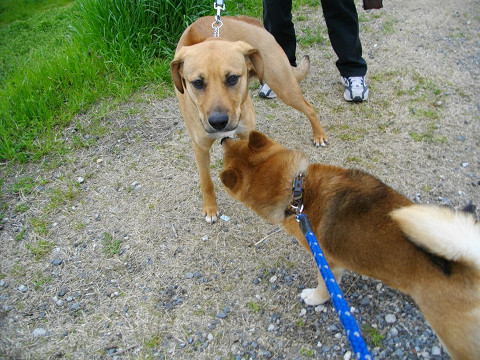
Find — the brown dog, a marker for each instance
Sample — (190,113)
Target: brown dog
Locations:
(211,79)
(430,253)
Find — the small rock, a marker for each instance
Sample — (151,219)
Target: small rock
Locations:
(57,262)
(22,288)
(394,331)
(80,180)
(210,337)
(38,332)
(189,275)
(221,315)
(390,318)
(271,327)
(348,355)
(465,164)
(365,301)
(436,351)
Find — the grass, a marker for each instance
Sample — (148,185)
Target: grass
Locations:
(375,337)
(40,249)
(111,246)
(58,57)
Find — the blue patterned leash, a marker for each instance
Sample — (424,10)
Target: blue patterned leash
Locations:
(348,321)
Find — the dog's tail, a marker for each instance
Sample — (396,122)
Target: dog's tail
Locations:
(301,70)
(453,235)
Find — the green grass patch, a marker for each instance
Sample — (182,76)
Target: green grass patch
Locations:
(375,337)
(312,36)
(12,10)
(41,248)
(23,186)
(39,279)
(254,307)
(39,226)
(61,196)
(111,246)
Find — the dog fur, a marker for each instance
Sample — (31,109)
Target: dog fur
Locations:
(430,253)
(211,77)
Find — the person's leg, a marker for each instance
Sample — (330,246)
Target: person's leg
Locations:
(342,22)
(277,20)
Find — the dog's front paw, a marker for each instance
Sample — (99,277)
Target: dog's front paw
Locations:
(314,297)
(320,141)
(211,217)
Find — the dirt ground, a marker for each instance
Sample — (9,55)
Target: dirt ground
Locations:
(105,253)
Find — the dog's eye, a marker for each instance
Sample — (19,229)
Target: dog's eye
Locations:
(232,79)
(198,84)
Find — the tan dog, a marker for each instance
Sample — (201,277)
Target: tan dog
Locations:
(430,253)
(211,83)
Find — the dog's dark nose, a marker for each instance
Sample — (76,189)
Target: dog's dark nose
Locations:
(218,120)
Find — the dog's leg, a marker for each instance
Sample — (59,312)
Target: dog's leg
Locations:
(320,294)
(202,157)
(292,96)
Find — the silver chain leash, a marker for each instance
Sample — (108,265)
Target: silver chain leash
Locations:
(217,24)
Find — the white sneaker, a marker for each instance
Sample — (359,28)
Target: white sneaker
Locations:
(266,92)
(356,89)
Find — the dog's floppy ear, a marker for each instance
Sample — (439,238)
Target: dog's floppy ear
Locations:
(176,71)
(253,59)
(229,178)
(257,140)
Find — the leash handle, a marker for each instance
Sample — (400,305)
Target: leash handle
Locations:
(343,310)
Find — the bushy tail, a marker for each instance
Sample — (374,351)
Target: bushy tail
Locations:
(302,68)
(453,235)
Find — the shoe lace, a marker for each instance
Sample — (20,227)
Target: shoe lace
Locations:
(356,81)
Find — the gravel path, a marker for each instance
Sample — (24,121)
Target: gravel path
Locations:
(105,254)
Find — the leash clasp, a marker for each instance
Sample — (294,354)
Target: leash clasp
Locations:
(297,204)
(218,5)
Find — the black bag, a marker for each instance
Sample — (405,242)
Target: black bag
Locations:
(372,4)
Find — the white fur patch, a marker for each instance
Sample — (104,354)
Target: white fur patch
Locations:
(453,235)
(314,296)
(219,135)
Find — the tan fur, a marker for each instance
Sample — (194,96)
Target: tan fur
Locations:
(364,225)
(245,49)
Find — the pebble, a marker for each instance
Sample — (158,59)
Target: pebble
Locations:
(38,332)
(189,275)
(436,351)
(221,315)
(22,288)
(390,318)
(365,301)
(57,262)
(80,180)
